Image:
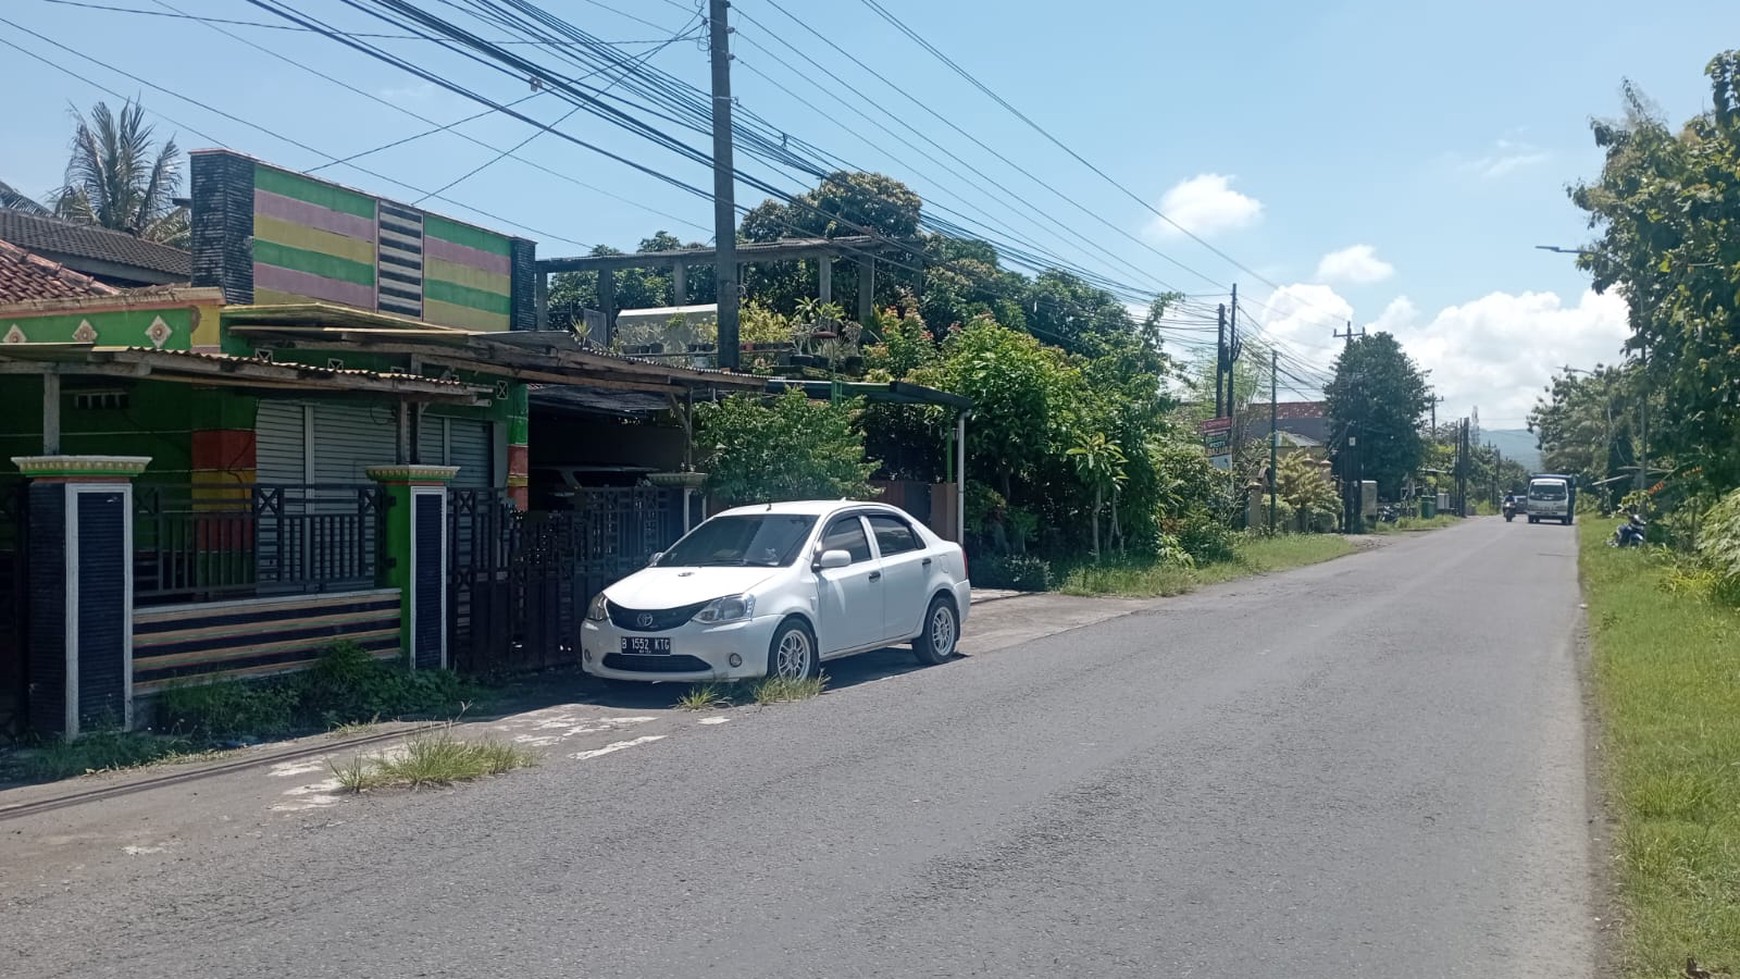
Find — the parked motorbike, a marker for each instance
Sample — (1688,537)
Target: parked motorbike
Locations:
(1630,533)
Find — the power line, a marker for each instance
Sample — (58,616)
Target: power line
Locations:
(237,119)
(439,128)
(178,15)
(883,12)
(922,104)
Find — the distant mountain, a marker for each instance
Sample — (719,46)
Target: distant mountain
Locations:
(1515,443)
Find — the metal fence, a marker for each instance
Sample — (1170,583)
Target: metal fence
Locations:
(207,543)
(520,582)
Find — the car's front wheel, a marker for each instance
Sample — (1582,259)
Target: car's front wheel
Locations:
(942,630)
(792,654)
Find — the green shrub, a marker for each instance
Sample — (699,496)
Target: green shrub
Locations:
(228,708)
(345,685)
(1206,539)
(1719,536)
(1016,572)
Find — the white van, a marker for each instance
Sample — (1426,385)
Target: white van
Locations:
(1551,498)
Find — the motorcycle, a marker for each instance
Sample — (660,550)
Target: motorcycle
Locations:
(1510,509)
(1630,533)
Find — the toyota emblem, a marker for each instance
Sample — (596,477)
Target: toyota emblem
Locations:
(644,620)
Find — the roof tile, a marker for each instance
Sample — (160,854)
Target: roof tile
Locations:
(26,276)
(43,234)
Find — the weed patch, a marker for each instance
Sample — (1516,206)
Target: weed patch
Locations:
(101,751)
(1406,525)
(1666,655)
(345,688)
(435,758)
(705,696)
(779,690)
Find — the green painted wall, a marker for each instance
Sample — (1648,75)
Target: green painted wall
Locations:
(115,328)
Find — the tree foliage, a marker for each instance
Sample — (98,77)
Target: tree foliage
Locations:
(1588,423)
(790,449)
(119,179)
(1379,396)
(1667,210)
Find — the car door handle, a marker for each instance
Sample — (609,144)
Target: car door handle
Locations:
(925,563)
(875,576)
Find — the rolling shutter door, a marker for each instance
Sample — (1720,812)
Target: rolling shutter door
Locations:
(463,442)
(349,438)
(280,444)
(471,449)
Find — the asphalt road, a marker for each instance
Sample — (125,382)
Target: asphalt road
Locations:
(1373,767)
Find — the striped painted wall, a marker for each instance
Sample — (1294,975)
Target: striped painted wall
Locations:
(311,239)
(258,636)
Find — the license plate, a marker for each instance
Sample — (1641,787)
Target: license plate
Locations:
(646,646)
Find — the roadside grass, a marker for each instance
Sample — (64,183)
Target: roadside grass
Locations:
(1415,524)
(102,751)
(779,690)
(434,758)
(1251,555)
(1666,670)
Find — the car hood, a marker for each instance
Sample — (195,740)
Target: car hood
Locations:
(662,588)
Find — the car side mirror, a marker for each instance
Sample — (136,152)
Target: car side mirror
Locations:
(830,560)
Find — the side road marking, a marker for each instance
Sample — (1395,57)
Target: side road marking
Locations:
(616,746)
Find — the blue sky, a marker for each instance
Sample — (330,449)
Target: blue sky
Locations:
(1390,163)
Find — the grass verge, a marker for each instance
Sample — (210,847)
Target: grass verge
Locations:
(1414,524)
(100,751)
(435,758)
(1665,664)
(1251,555)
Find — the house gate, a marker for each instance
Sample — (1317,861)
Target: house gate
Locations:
(519,582)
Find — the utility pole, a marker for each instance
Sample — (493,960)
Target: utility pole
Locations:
(1220,364)
(1232,350)
(1462,471)
(724,186)
(1274,420)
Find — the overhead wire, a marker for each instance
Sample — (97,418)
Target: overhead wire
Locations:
(236,119)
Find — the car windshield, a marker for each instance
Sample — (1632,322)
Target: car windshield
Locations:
(770,540)
(1547,491)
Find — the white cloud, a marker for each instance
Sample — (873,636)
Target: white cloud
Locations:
(1498,352)
(1504,158)
(1303,318)
(1357,264)
(1204,205)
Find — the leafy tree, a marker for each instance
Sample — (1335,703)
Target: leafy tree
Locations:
(1101,465)
(1307,490)
(1667,210)
(790,449)
(1587,424)
(118,178)
(1379,396)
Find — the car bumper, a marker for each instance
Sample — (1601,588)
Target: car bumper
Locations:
(698,652)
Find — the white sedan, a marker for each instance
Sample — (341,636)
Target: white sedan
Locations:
(775,590)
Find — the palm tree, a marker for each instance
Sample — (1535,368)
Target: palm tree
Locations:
(116,179)
(11,199)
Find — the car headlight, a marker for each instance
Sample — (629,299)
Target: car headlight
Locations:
(727,609)
(599,610)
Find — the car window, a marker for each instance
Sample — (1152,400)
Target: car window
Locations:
(893,535)
(1547,491)
(847,534)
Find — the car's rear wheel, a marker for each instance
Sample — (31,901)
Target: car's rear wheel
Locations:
(942,630)
(792,654)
